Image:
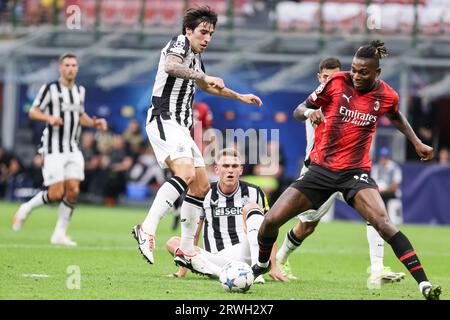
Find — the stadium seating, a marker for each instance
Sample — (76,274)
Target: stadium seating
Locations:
(349,16)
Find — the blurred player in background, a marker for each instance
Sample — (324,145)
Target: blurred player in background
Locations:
(310,219)
(60,104)
(168,123)
(388,175)
(233,211)
(346,109)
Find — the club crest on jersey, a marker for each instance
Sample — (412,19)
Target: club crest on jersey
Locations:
(317,91)
(245,200)
(376,105)
(178,47)
(320,88)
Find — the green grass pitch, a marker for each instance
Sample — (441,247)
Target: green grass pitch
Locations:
(331,264)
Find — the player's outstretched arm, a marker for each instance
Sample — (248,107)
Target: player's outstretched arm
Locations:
(302,112)
(174,67)
(424,151)
(225,92)
(99,124)
(37,115)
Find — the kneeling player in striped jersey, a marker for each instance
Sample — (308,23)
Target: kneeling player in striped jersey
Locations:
(233,211)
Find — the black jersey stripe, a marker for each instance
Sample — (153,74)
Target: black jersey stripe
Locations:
(50,128)
(44,93)
(78,125)
(180,99)
(72,120)
(189,109)
(71,128)
(62,116)
(216,220)
(232,221)
(206,243)
(165,97)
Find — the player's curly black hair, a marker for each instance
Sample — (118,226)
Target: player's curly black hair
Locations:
(375,50)
(195,16)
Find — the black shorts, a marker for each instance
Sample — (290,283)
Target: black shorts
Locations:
(319,183)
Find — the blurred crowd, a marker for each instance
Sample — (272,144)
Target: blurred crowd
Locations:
(112,161)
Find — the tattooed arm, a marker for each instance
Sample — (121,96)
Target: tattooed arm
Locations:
(175,68)
(228,93)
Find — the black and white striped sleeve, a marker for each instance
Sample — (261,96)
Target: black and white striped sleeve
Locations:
(263,202)
(82,92)
(43,97)
(179,46)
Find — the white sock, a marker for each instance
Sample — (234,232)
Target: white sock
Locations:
(255,218)
(38,200)
(376,249)
(169,192)
(289,245)
(423,284)
(65,211)
(191,210)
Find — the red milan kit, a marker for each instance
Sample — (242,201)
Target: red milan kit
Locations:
(340,158)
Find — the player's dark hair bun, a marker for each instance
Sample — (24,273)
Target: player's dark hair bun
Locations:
(380,49)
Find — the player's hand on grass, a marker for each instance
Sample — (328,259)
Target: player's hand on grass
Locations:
(424,151)
(55,121)
(276,274)
(250,99)
(180,273)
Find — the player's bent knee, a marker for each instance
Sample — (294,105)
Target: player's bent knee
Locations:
(384,227)
(203,189)
(172,244)
(72,193)
(187,177)
(55,195)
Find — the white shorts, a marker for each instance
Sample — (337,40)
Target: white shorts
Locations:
(60,167)
(238,252)
(315,215)
(169,139)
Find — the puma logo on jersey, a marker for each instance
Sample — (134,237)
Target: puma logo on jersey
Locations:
(348,98)
(364,177)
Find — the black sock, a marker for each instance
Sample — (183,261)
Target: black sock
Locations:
(406,254)
(293,238)
(265,247)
